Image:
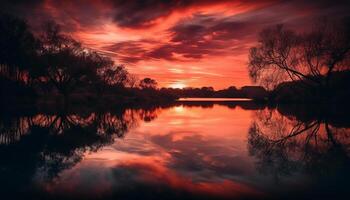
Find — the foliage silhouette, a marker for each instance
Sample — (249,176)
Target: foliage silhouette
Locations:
(312,57)
(284,146)
(51,143)
(148,83)
(55,68)
(18,49)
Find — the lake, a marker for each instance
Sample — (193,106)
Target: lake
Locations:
(214,99)
(185,150)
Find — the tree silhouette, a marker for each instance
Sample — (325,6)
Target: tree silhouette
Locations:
(18,49)
(117,76)
(36,66)
(148,83)
(65,63)
(284,54)
(132,81)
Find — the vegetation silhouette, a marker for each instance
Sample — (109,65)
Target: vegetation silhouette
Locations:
(50,143)
(18,49)
(79,100)
(246,105)
(148,83)
(309,60)
(257,93)
(53,67)
(285,146)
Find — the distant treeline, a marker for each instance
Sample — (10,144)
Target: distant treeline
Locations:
(252,92)
(298,91)
(307,91)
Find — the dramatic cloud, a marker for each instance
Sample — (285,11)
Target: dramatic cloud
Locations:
(144,13)
(187,42)
(204,35)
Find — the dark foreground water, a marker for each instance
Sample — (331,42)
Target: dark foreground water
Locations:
(187,150)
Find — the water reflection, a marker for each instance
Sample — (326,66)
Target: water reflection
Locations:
(187,150)
(285,146)
(43,145)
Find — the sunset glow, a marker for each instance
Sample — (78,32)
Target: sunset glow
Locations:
(177,85)
(178,43)
(174,99)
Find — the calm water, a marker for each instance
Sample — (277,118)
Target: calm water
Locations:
(214,99)
(181,151)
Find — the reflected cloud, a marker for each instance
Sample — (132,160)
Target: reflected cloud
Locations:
(194,154)
(42,146)
(223,151)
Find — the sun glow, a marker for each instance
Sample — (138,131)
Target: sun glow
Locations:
(179,109)
(178,85)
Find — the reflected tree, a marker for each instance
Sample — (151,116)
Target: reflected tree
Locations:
(285,146)
(42,146)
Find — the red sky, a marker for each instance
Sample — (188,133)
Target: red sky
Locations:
(180,42)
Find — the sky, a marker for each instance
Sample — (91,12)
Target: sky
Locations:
(180,43)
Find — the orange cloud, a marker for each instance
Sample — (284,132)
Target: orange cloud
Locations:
(192,42)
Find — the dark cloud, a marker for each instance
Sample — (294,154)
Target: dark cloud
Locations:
(141,13)
(20,8)
(72,15)
(129,51)
(21,2)
(192,38)
(213,34)
(144,13)
(188,41)
(188,33)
